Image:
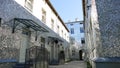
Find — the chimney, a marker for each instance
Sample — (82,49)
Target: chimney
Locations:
(76,19)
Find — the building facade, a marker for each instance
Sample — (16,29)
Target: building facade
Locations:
(101,23)
(26,24)
(76,37)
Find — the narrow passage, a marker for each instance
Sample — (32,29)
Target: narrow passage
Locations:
(73,64)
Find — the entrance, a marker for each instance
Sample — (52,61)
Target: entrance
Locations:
(80,54)
(24,44)
(61,57)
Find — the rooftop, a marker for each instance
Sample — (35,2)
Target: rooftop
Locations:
(81,22)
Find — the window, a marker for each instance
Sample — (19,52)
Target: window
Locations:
(44,1)
(82,40)
(88,8)
(81,30)
(42,42)
(52,24)
(72,30)
(58,29)
(26,31)
(81,22)
(29,4)
(71,24)
(62,33)
(65,36)
(73,52)
(43,16)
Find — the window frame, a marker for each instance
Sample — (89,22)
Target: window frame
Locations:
(72,30)
(58,28)
(52,24)
(62,32)
(29,4)
(43,16)
(81,30)
(82,40)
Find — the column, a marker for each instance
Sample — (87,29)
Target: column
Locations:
(24,45)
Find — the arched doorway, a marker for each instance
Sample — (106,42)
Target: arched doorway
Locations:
(61,57)
(80,54)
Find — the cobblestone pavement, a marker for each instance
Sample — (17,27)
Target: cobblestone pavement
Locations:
(73,64)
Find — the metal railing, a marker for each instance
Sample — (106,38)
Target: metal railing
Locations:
(37,57)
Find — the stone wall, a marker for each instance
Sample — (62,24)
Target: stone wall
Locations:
(12,43)
(92,31)
(95,31)
(9,43)
(109,21)
(6,65)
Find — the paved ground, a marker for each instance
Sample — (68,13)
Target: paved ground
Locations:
(73,64)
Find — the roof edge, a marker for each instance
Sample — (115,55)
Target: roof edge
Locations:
(53,9)
(73,22)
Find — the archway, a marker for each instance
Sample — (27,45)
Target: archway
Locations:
(61,57)
(80,54)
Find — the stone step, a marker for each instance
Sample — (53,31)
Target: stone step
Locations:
(21,65)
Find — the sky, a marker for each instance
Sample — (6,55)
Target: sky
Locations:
(68,9)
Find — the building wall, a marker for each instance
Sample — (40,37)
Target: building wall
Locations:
(38,5)
(92,30)
(102,28)
(109,20)
(75,38)
(76,25)
(10,9)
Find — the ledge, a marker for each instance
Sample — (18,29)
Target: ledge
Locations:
(7,60)
(107,59)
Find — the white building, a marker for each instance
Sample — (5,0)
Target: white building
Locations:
(77,37)
(28,23)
